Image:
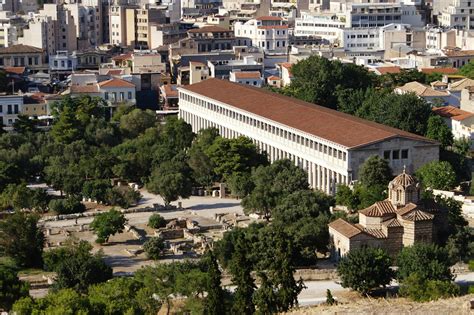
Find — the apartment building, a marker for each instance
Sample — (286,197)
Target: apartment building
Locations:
(457,14)
(328,144)
(41,33)
(88,18)
(10,107)
(23,56)
(325,26)
(266,32)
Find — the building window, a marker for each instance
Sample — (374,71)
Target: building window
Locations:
(395,154)
(15,110)
(405,154)
(122,96)
(129,95)
(106,96)
(386,155)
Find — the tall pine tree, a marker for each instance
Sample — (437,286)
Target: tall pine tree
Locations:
(215,295)
(241,268)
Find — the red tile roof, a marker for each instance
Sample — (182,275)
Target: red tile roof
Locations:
(116,83)
(385,70)
(123,57)
(440,70)
(20,49)
(273,78)
(269,18)
(169,90)
(93,88)
(247,75)
(15,70)
(452,112)
(271,27)
(345,228)
(209,29)
(341,128)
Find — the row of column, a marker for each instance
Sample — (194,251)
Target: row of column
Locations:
(319,177)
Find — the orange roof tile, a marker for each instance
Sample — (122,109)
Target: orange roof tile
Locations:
(115,82)
(15,70)
(247,75)
(379,209)
(444,70)
(269,18)
(271,27)
(345,228)
(123,57)
(341,128)
(385,70)
(452,112)
(169,90)
(209,29)
(273,78)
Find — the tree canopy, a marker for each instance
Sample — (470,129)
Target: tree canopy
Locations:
(107,224)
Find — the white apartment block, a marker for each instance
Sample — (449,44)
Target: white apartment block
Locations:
(41,33)
(10,107)
(267,32)
(457,14)
(328,144)
(87,15)
(327,27)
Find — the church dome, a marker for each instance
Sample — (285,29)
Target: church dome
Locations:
(405,180)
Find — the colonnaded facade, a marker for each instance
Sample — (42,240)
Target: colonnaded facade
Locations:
(328,144)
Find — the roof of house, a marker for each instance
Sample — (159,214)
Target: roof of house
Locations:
(461,84)
(273,78)
(438,83)
(90,88)
(412,212)
(405,180)
(459,53)
(377,233)
(421,89)
(15,70)
(269,18)
(345,228)
(114,72)
(379,209)
(389,69)
(123,57)
(287,66)
(452,112)
(247,75)
(392,223)
(270,27)
(170,90)
(116,83)
(209,29)
(20,49)
(329,124)
(442,70)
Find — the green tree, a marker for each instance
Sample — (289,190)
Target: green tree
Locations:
(154,247)
(136,122)
(437,175)
(171,180)
(315,80)
(346,197)
(21,239)
(271,184)
(24,124)
(116,296)
(96,189)
(427,290)
(439,131)
(462,146)
(329,298)
(67,206)
(215,293)
(375,171)
(65,301)
(122,196)
(11,287)
(428,261)
(201,164)
(67,128)
(76,267)
(365,269)
(241,268)
(467,70)
(406,112)
(237,155)
(107,224)
(156,221)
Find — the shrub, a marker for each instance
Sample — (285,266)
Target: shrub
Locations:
(122,196)
(67,206)
(365,269)
(421,290)
(156,221)
(471,265)
(153,247)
